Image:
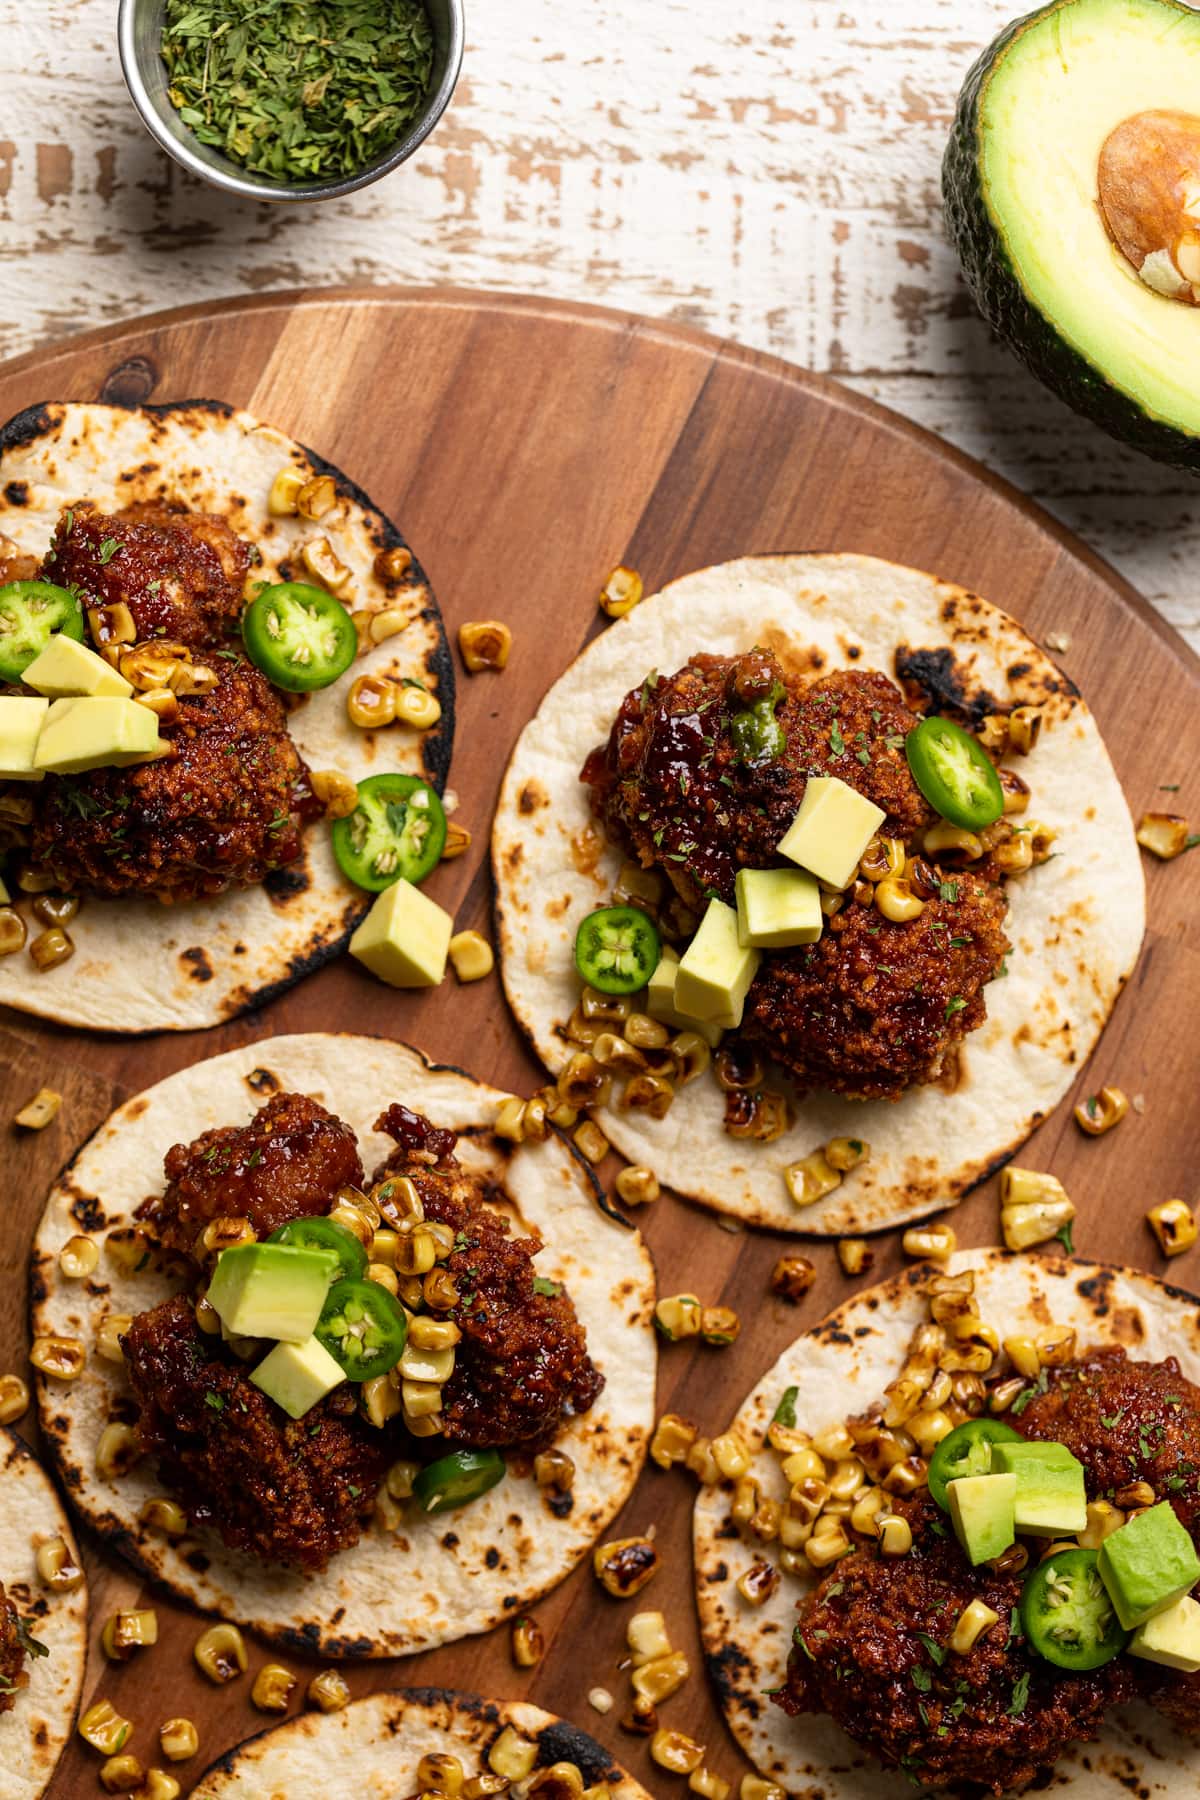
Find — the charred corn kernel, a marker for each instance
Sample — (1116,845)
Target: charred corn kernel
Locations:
(950,1297)
(379,1400)
(810,1179)
(792,1277)
(560,1781)
(1034,1207)
(324,565)
(127,1632)
(804,1464)
(719,1325)
(1016,792)
(421,1400)
(484,644)
(371,703)
(512,1755)
(12,931)
(528,1643)
(645,1033)
(471,955)
(1014,855)
(1056,1345)
(1024,729)
(895,1536)
(439,1290)
(417,707)
(590,1141)
(554,1469)
(382,1273)
(226,1233)
(162,702)
(273,1688)
(855,1255)
(39,1112)
(846,1478)
(112,1329)
(828,1544)
(164,1516)
(104,1729)
(637,1186)
(458,841)
(613,1009)
(584,1082)
(1103,1518)
(220,1653)
(1165,835)
(285,493)
(711,1786)
(79,1258)
(1100,1112)
(388,623)
(178,1739)
(907,1477)
(651,1094)
(663,1676)
(757,1583)
(327,1692)
(904,1395)
(646,1636)
(1041,841)
(973,1621)
(56,1566)
(111,624)
(933,1243)
(807,1499)
(121,1774)
(1135,1496)
(482,1787)
(416,1250)
(673,1751)
(845,1153)
(746,1497)
(61,1357)
(678,1316)
(128,1249)
(929,1428)
(316,497)
(757,1787)
(33,881)
(624,1566)
(394,564)
(1004,1393)
(833,1444)
(896,900)
(621,592)
(693,1056)
(883,857)
(433,1334)
(944,837)
(1174,1225)
(700,1461)
(868,1510)
(336,792)
(730,1455)
(439,1773)
(509,1120)
(400,1478)
(158,1785)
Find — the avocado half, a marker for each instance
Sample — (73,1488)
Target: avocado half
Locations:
(1020,187)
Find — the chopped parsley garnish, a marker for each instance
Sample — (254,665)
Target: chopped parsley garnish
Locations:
(1030,1393)
(31,1645)
(542,1285)
(948,890)
(922,1680)
(1020,1696)
(955,1004)
(785,1412)
(936,1652)
(109,549)
(215,1400)
(837,742)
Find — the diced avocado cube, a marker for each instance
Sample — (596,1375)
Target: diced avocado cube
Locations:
(296,1376)
(983,1511)
(660,1001)
(832,829)
(271,1290)
(1171,1637)
(1148,1565)
(1051,1498)
(66,667)
(777,907)
(405,938)
(95,732)
(21,721)
(715,971)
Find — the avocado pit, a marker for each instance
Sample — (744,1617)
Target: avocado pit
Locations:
(1148,183)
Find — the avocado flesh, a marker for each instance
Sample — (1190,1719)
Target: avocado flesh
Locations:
(1020,183)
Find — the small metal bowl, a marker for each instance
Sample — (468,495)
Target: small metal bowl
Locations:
(139,36)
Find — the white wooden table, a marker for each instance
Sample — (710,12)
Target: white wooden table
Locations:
(767,169)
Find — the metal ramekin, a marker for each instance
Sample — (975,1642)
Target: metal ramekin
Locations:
(139,33)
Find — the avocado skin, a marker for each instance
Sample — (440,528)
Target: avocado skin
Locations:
(998,293)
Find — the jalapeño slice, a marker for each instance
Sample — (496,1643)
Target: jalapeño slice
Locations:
(1067,1615)
(398,829)
(617,949)
(967,1450)
(954,773)
(456,1479)
(363,1328)
(299,636)
(31,612)
(325,1234)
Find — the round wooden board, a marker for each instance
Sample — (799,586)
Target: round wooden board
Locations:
(525,449)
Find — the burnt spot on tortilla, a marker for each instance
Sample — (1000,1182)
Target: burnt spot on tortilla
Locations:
(492,1558)
(450,1541)
(325,942)
(732,1674)
(39,1287)
(560,1504)
(937,679)
(532,797)
(284,885)
(17,493)
(196,964)
(88,1213)
(511,1600)
(793,658)
(135,1108)
(560,1742)
(514,856)
(198,1560)
(263,1081)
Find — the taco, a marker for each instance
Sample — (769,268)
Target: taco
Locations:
(421,1741)
(390,1376)
(237,584)
(967,1565)
(882,1032)
(43,1624)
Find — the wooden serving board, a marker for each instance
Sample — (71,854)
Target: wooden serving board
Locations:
(525,449)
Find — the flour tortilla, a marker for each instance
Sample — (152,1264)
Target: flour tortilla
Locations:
(34,1733)
(436,1579)
(1072,949)
(139,965)
(375,1745)
(842,1367)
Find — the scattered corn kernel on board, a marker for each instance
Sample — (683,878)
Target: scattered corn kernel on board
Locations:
(525,449)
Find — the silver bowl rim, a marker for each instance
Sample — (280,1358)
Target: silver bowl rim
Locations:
(226,174)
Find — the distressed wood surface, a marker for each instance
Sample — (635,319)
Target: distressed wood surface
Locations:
(768,171)
(703,447)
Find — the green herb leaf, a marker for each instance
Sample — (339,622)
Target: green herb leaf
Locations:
(785,1412)
(543,1286)
(955,1004)
(935,1650)
(1020,1696)
(1066,1237)
(31,1645)
(837,742)
(109,549)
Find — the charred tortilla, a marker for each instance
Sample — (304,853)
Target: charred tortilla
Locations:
(36,1728)
(1075,922)
(435,1579)
(841,1367)
(140,965)
(376,1744)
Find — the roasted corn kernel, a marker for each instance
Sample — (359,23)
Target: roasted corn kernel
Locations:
(661,1677)
(440,1773)
(1034,1207)
(757,1787)
(973,1621)
(57,1568)
(719,1325)
(637,1186)
(220,1653)
(673,1751)
(708,1784)
(371,703)
(111,1330)
(327,1692)
(178,1739)
(646,1636)
(621,592)
(855,1255)
(125,1633)
(1100,1112)
(895,1536)
(39,1112)
(624,1566)
(1103,1518)
(673,1438)
(325,566)
(528,1643)
(79,1258)
(933,1243)
(104,1729)
(897,901)
(810,1179)
(14,1399)
(1165,835)
(757,1583)
(163,1515)
(678,1316)
(827,1544)
(158,1785)
(61,1357)
(484,644)
(471,955)
(590,1141)
(285,493)
(121,1774)
(336,792)
(417,707)
(845,1153)
(1174,1225)
(12,931)
(273,1688)
(512,1755)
